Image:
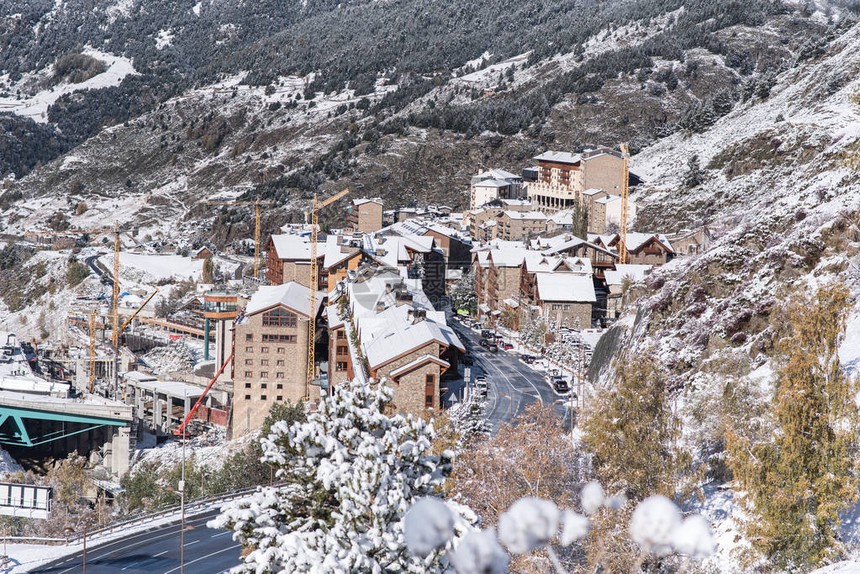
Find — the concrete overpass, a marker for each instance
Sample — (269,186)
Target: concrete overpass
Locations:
(64,425)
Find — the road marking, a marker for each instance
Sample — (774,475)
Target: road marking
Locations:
(187,544)
(159,554)
(203,557)
(225,533)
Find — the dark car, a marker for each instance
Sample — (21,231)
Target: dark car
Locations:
(560,385)
(485,342)
(492,347)
(486,333)
(528,359)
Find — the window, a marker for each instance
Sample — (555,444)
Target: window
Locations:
(247,397)
(264,349)
(342,351)
(249,361)
(279,375)
(264,362)
(263,385)
(281,350)
(247,385)
(264,374)
(249,374)
(280,397)
(262,397)
(430,391)
(567,307)
(279,363)
(279,318)
(249,349)
(341,335)
(249,337)
(340,366)
(279,385)
(273,338)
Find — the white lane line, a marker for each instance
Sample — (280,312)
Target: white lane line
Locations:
(225,533)
(187,544)
(159,554)
(204,557)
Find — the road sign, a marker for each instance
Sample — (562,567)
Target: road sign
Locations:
(25,500)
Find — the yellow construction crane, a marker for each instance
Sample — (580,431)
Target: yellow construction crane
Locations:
(136,311)
(623,256)
(257,204)
(312,332)
(92,349)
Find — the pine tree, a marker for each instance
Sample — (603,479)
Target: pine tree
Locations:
(350,473)
(800,474)
(631,432)
(694,176)
(463,294)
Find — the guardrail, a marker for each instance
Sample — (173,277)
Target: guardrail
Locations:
(198,505)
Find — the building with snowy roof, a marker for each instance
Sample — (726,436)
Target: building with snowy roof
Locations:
(566,299)
(270,352)
(365,215)
(492,185)
(563,177)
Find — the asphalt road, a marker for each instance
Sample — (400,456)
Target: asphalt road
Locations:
(512,385)
(156,551)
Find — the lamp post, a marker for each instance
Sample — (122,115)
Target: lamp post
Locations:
(182,493)
(67,530)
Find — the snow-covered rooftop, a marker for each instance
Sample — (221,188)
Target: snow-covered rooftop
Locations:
(559,157)
(565,287)
(292,295)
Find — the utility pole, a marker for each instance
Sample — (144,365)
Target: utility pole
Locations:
(182,495)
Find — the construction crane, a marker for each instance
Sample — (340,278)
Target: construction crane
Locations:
(623,256)
(92,349)
(136,311)
(312,328)
(257,204)
(181,429)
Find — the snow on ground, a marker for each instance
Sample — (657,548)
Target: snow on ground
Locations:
(139,268)
(849,351)
(176,357)
(36,106)
(845,567)
(8,465)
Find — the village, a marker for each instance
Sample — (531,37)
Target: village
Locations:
(502,303)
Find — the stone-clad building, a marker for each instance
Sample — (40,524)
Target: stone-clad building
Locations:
(270,352)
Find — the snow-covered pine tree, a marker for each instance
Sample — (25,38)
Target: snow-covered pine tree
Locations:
(350,473)
(802,472)
(463,294)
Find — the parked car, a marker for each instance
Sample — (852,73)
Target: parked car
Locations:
(560,385)
(486,333)
(507,346)
(492,347)
(485,342)
(528,359)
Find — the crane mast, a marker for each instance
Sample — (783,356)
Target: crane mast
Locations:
(314,284)
(623,256)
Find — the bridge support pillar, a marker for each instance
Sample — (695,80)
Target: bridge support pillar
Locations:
(206,339)
(120,450)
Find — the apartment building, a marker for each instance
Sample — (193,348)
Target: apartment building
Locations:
(563,177)
(492,185)
(365,215)
(270,345)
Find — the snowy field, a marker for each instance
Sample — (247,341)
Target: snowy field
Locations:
(36,106)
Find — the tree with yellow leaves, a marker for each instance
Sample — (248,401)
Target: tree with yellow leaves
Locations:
(800,475)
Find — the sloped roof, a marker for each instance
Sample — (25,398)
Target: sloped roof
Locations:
(402,370)
(635,272)
(292,295)
(559,157)
(536,262)
(335,254)
(295,247)
(402,339)
(567,287)
(636,240)
(364,200)
(534,215)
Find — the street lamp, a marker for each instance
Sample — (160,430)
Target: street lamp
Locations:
(67,530)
